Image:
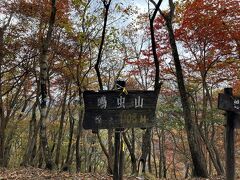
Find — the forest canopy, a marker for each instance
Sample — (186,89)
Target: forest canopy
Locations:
(51,51)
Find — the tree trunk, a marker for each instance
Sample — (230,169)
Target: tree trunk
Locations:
(154,156)
(162,159)
(79,132)
(199,162)
(8,146)
(213,153)
(43,63)
(110,151)
(30,151)
(60,133)
(66,166)
(131,149)
(2,117)
(90,158)
(146,147)
(149,159)
(121,160)
(105,152)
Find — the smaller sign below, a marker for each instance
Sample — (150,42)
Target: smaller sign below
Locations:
(115,109)
(228,102)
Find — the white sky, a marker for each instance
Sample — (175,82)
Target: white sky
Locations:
(142,4)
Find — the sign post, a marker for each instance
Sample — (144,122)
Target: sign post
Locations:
(119,109)
(231,105)
(118,151)
(118,161)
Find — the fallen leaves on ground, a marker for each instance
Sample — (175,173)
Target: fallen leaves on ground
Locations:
(41,174)
(38,174)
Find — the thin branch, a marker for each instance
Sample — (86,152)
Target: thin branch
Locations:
(106,5)
(172,9)
(154,46)
(157,7)
(8,23)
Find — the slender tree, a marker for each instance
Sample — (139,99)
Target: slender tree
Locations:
(2,116)
(198,159)
(43,63)
(146,144)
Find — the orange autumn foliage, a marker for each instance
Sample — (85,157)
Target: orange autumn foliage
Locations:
(40,9)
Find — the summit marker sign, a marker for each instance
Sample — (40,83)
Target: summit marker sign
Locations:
(115,109)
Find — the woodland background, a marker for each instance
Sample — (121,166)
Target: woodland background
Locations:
(51,51)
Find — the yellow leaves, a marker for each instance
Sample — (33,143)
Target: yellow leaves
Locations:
(231,60)
(81,37)
(67,26)
(62,69)
(78,3)
(118,7)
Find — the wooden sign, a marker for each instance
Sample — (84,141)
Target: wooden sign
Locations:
(228,102)
(231,103)
(115,109)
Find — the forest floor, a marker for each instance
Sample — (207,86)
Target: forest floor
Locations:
(41,174)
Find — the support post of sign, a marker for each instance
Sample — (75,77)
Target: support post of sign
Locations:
(230,158)
(118,155)
(118,161)
(117,139)
(121,160)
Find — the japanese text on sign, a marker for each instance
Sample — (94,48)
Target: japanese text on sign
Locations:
(121,102)
(236,104)
(112,109)
(102,102)
(138,102)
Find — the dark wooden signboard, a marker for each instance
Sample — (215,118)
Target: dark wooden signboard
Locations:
(115,109)
(228,102)
(231,104)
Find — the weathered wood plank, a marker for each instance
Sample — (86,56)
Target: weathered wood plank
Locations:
(229,103)
(114,99)
(98,119)
(114,109)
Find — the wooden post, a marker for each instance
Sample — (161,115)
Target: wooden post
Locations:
(230,159)
(116,154)
(118,162)
(119,155)
(121,160)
